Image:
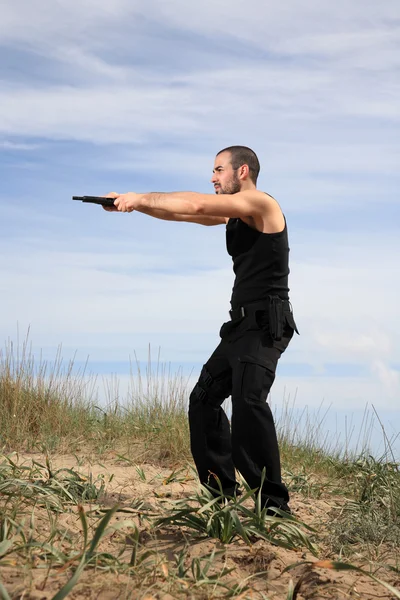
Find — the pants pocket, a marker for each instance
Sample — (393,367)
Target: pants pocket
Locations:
(256,380)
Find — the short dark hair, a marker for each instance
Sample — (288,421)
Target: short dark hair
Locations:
(242,155)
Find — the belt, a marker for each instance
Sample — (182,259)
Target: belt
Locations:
(249,309)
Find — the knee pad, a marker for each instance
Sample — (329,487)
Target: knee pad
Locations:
(209,390)
(197,394)
(202,388)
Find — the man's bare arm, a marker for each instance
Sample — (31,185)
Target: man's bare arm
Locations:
(168,216)
(244,204)
(256,208)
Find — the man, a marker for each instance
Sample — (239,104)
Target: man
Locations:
(260,329)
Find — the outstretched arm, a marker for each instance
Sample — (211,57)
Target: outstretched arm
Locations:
(249,203)
(166,215)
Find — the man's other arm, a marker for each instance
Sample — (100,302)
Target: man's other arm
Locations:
(168,216)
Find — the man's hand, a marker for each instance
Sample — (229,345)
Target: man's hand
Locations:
(124,202)
(128,202)
(111,208)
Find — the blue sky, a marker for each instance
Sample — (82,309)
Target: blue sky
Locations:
(131,96)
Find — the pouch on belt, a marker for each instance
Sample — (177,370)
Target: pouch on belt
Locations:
(280,313)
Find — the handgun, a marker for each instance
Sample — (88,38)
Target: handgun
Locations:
(95,200)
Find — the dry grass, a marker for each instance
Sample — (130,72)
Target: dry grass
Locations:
(52,406)
(61,524)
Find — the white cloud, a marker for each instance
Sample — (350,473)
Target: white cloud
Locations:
(389,378)
(314,87)
(339,393)
(9,145)
(139,108)
(322,86)
(351,48)
(154,290)
(129,103)
(355,345)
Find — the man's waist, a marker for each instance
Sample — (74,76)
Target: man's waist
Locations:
(247,309)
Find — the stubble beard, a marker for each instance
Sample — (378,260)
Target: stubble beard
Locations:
(231,187)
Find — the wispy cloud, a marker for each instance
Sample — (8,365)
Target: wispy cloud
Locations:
(142,288)
(117,95)
(8,145)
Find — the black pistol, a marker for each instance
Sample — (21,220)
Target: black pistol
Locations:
(95,200)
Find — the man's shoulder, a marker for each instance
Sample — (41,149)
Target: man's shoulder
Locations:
(259,196)
(268,216)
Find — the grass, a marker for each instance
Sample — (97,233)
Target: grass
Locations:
(56,521)
(226,519)
(153,417)
(370,519)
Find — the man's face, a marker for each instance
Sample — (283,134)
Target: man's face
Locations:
(225,179)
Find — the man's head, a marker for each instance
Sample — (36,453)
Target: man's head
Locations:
(235,168)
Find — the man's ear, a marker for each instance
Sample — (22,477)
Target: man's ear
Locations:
(244,172)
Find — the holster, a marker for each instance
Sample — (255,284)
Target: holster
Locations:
(276,317)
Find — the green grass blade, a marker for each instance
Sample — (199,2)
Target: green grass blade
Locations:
(208,505)
(57,484)
(4,546)
(100,529)
(3,592)
(63,593)
(250,493)
(66,589)
(239,527)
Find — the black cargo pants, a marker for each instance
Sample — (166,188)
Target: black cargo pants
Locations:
(243,367)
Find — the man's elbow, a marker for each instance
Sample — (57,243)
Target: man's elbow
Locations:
(199,209)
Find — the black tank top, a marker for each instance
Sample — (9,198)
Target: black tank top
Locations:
(260,263)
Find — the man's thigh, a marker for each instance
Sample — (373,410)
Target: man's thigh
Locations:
(254,358)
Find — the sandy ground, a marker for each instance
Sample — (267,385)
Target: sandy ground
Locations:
(129,485)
